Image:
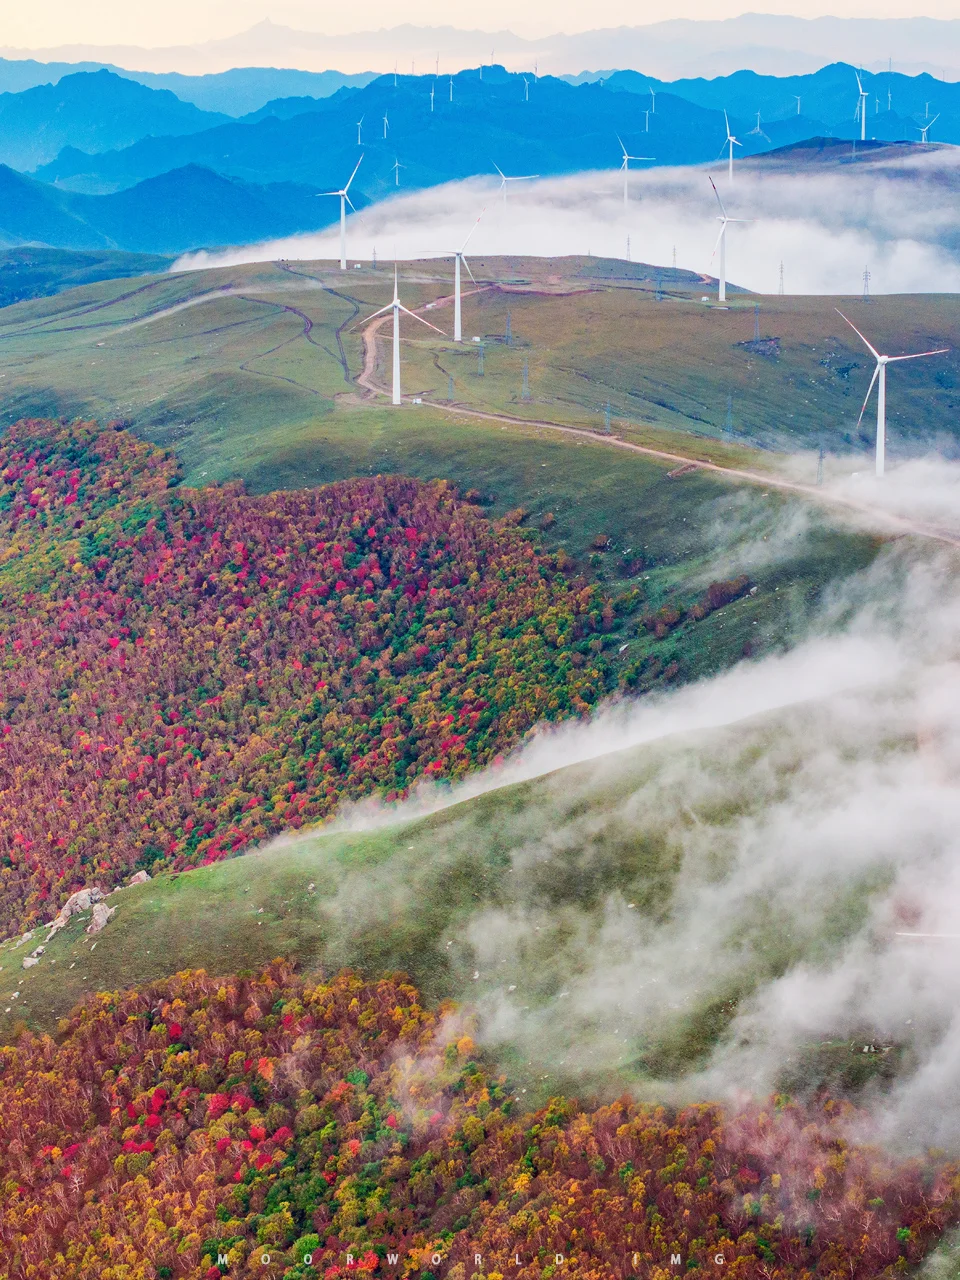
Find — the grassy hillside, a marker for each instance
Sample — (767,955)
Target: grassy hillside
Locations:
(249,372)
(509,901)
(31,272)
(271,355)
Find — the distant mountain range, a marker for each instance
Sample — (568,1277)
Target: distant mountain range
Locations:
(455,127)
(234,93)
(178,210)
(94,111)
(769,43)
(210,181)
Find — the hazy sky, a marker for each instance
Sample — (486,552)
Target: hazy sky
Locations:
(53,22)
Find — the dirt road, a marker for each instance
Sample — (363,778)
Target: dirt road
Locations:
(887,520)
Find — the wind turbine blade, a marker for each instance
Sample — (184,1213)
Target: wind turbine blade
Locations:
(350,202)
(388,307)
(940,351)
(353,175)
(622,147)
(500,171)
(719,201)
(469,272)
(717,245)
(876,374)
(870,347)
(473,229)
(726,121)
(329,193)
(737,143)
(413,315)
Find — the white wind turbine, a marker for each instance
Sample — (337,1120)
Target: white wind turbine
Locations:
(625,170)
(396,306)
(924,128)
(862,108)
(653,100)
(880,373)
(722,243)
(396,167)
(359,127)
(459,260)
(525,177)
(731,143)
(344,201)
(386,124)
(797,96)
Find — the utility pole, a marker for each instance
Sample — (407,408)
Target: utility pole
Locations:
(525,393)
(756,322)
(449,386)
(508,334)
(480,361)
(866,285)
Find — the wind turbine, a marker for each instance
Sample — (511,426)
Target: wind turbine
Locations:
(459,260)
(344,201)
(526,89)
(396,167)
(653,100)
(880,372)
(433,93)
(731,143)
(722,243)
(862,107)
(396,306)
(386,124)
(625,169)
(797,97)
(757,129)
(925,127)
(359,126)
(525,177)
(646,122)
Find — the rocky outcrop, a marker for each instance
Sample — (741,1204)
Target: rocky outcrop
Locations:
(140,878)
(82,900)
(101,914)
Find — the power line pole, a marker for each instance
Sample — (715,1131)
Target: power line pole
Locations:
(480,361)
(866,285)
(756,322)
(449,386)
(781,279)
(508,334)
(820,465)
(525,393)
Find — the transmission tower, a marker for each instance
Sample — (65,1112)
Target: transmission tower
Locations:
(756,322)
(508,333)
(449,386)
(866,285)
(659,286)
(820,465)
(781,279)
(480,360)
(525,393)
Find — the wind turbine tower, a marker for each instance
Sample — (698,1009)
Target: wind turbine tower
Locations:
(880,377)
(344,201)
(721,244)
(359,127)
(386,124)
(731,143)
(396,306)
(625,170)
(460,261)
(862,108)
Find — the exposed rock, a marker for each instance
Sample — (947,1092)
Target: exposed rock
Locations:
(77,902)
(140,878)
(30,961)
(101,914)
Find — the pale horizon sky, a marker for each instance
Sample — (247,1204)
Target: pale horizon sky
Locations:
(50,23)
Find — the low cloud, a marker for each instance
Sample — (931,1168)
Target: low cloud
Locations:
(900,219)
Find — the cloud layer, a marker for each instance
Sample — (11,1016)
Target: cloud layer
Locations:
(900,219)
